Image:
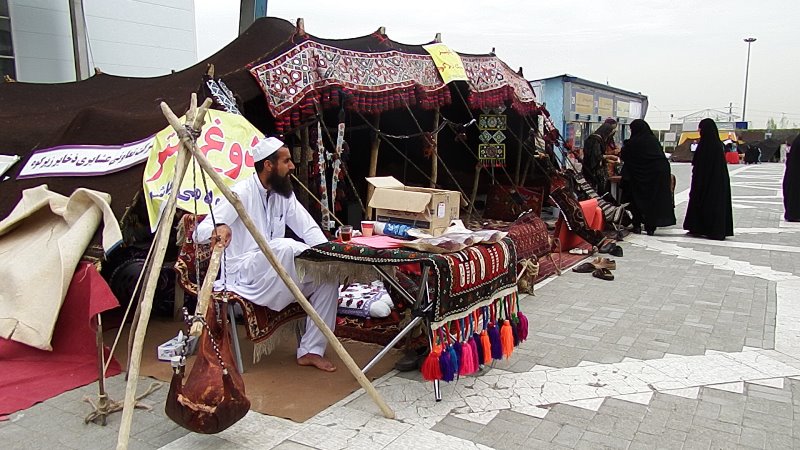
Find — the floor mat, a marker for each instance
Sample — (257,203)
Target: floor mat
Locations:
(276,386)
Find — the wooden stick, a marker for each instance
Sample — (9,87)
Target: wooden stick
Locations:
(435,158)
(301,299)
(373,162)
(204,295)
(194,118)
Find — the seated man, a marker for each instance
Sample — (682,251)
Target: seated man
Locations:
(269,200)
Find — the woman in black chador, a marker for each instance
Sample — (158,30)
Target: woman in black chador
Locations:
(646,179)
(594,167)
(791,183)
(709,212)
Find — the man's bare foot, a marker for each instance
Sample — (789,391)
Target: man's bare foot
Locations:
(320,362)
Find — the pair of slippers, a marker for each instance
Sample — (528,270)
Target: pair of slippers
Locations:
(599,268)
(611,248)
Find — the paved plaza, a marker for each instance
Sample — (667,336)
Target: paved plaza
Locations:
(695,344)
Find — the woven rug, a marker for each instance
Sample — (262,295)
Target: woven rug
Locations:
(461,281)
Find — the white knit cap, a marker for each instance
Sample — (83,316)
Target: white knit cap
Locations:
(265,147)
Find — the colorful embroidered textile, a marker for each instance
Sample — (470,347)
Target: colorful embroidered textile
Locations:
(312,71)
(461,281)
(373,82)
(493,83)
(260,321)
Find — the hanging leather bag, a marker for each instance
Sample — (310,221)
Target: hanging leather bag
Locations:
(212,397)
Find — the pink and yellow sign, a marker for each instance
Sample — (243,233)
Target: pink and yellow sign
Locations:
(225,140)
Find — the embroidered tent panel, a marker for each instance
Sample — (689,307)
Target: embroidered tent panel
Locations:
(311,65)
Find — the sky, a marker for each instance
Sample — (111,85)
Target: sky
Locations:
(684,55)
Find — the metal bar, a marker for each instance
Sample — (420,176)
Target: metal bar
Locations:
(237,351)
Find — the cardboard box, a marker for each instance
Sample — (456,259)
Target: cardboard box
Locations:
(170,348)
(430,210)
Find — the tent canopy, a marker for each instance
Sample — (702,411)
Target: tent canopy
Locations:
(107,109)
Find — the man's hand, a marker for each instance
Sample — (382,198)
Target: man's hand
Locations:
(222,234)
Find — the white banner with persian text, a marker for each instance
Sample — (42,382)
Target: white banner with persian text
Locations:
(85,160)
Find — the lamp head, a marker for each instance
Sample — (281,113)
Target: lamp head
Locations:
(750,40)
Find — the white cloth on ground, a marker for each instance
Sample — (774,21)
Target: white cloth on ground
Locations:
(41,242)
(246,271)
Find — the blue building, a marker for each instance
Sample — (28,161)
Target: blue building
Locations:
(577,106)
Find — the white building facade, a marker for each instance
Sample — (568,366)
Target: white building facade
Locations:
(134,38)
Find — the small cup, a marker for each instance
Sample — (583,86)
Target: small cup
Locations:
(367,228)
(345,233)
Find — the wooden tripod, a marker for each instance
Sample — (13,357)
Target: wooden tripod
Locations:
(194,121)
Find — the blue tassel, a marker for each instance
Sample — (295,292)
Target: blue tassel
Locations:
(456,357)
(479,347)
(497,345)
(447,366)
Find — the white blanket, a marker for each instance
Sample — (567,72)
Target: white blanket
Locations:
(41,242)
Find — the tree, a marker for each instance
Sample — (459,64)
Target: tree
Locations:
(771,125)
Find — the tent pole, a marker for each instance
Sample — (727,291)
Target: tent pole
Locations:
(435,156)
(298,295)
(194,118)
(373,160)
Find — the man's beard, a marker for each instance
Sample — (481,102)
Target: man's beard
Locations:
(281,185)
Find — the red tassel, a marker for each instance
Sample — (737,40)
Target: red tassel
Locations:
(523,326)
(487,348)
(507,338)
(431,370)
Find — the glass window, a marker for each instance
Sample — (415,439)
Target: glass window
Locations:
(4,8)
(7,68)
(6,49)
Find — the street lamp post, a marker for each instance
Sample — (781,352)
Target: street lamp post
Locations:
(749,41)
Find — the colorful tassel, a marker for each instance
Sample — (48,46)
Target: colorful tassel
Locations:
(487,347)
(446,366)
(467,359)
(523,327)
(431,370)
(507,338)
(455,360)
(476,341)
(515,329)
(458,349)
(496,343)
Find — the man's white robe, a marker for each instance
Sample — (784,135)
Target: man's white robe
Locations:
(246,271)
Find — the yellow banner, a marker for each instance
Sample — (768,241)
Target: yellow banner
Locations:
(623,109)
(584,103)
(225,140)
(605,107)
(447,62)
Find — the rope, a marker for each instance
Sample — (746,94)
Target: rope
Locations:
(319,202)
(436,153)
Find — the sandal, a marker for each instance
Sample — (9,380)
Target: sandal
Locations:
(603,274)
(616,251)
(586,267)
(604,263)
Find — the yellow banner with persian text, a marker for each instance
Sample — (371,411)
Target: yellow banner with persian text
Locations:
(448,62)
(225,140)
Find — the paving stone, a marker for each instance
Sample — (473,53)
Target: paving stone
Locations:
(545,431)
